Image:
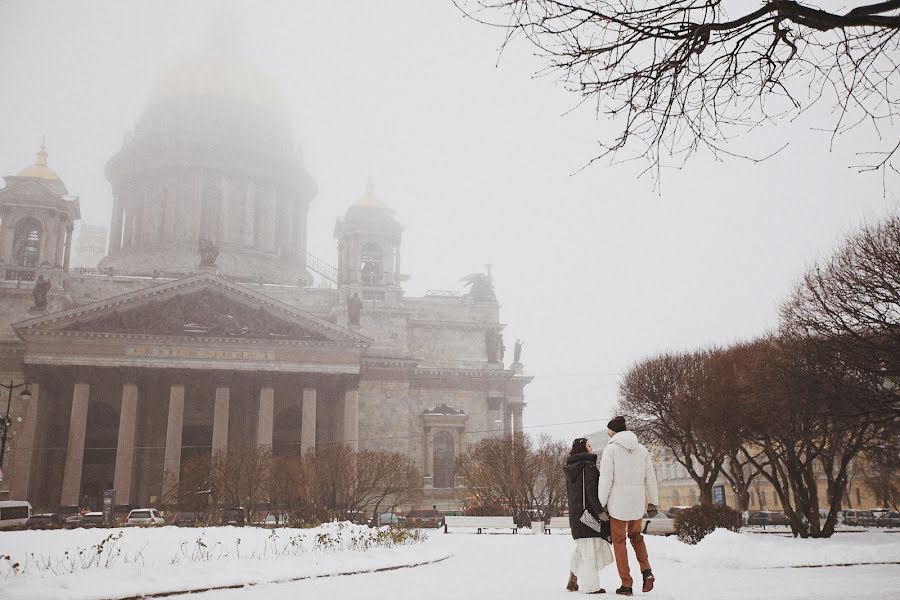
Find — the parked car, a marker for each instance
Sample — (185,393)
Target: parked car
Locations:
(46,521)
(889,519)
(423,518)
(391,519)
(145,516)
(767,517)
(14,513)
(659,525)
(270,520)
(358,517)
(185,519)
(673,511)
(234,516)
(91,519)
(859,518)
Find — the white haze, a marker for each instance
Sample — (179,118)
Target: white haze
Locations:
(595,269)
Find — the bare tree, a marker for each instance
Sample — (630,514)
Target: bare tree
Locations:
(681,402)
(880,472)
(287,489)
(340,483)
(685,74)
(853,300)
(516,474)
(818,416)
(240,477)
(383,479)
(193,489)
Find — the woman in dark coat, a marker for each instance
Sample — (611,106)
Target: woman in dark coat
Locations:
(592,550)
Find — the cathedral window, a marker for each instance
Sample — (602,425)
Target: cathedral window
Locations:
(372,264)
(27,243)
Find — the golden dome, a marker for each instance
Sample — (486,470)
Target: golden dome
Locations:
(39,169)
(221,72)
(368,199)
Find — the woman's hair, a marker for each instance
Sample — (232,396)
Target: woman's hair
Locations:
(579,446)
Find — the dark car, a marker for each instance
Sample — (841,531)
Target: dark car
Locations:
(91,519)
(859,518)
(45,521)
(768,517)
(185,519)
(889,519)
(234,516)
(673,511)
(423,518)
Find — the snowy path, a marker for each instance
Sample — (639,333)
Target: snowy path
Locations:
(526,567)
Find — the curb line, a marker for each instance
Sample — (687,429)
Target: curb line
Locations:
(235,586)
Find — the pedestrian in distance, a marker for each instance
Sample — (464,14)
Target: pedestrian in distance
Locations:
(626,488)
(587,519)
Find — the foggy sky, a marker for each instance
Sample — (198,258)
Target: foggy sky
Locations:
(595,268)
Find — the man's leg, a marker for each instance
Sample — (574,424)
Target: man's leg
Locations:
(618,530)
(637,542)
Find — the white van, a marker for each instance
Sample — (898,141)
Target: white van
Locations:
(14,513)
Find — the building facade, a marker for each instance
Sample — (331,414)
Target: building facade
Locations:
(201,330)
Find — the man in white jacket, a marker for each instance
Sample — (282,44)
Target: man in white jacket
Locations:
(627,488)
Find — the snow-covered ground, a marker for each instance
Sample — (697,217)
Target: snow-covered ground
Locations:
(90,564)
(521,567)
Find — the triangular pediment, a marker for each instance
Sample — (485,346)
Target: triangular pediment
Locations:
(197,306)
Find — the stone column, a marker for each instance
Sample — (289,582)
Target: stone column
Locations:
(5,231)
(308,424)
(60,244)
(68,253)
(125,447)
(265,417)
(220,420)
(115,225)
(25,445)
(351,418)
(429,452)
(71,486)
(517,419)
(172,459)
(47,245)
(249,231)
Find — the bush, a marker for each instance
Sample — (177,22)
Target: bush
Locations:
(695,523)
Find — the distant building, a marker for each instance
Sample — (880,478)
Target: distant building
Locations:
(201,331)
(91,245)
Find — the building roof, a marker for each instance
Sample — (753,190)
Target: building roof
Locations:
(40,170)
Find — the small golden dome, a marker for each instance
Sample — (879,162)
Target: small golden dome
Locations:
(368,199)
(39,169)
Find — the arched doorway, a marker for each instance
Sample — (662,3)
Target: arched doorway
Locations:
(27,243)
(444,460)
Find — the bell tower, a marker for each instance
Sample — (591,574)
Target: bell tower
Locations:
(369,248)
(37,217)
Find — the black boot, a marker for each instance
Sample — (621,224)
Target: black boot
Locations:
(600,591)
(648,580)
(624,591)
(573,583)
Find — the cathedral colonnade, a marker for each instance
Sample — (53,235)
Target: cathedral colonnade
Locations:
(133,430)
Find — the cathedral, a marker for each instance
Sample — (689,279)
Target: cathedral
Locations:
(209,325)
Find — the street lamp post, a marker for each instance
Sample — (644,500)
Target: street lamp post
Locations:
(6,423)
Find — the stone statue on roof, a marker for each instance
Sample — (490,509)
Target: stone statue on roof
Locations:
(40,291)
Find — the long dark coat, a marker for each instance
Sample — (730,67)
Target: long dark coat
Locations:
(583,467)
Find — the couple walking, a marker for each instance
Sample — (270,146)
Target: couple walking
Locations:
(606,505)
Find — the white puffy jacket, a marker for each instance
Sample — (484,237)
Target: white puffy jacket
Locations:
(627,478)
